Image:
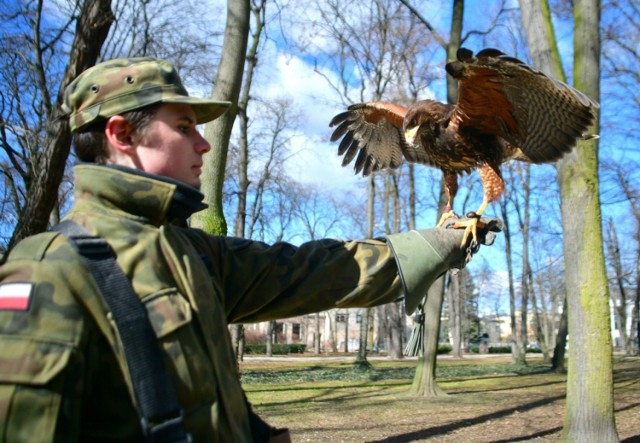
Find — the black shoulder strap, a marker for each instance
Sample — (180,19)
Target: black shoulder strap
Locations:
(160,414)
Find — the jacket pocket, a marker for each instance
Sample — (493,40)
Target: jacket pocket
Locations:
(30,391)
(31,361)
(180,337)
(168,311)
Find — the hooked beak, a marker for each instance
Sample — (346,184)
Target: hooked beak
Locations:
(410,135)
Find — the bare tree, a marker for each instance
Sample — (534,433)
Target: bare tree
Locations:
(618,289)
(35,133)
(627,271)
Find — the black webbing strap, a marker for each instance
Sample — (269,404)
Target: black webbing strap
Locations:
(161,416)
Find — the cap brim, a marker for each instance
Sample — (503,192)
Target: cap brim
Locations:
(205,110)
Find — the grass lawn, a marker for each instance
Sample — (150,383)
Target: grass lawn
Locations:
(490,400)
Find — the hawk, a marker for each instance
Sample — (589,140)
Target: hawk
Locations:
(505,110)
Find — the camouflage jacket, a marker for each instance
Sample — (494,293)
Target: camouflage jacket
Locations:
(62,373)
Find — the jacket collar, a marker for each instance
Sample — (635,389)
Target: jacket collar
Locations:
(155,198)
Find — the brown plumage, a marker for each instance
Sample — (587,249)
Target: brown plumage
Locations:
(505,110)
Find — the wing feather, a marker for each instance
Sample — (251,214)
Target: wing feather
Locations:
(372,134)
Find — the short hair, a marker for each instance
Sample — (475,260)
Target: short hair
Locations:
(91,146)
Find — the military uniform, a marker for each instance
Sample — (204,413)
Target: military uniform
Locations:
(63,375)
(61,359)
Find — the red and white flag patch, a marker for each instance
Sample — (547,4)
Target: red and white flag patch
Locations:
(15,296)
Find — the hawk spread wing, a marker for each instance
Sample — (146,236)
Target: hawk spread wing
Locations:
(501,95)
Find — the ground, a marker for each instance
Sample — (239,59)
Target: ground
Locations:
(324,400)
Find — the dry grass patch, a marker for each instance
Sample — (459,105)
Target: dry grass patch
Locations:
(489,400)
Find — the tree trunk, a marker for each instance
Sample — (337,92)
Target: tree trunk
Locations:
(269,342)
(589,411)
(318,336)
(557,361)
(538,321)
(361,358)
(589,415)
(424,383)
(218,132)
(333,326)
(526,270)
(394,331)
(237,338)
(543,322)
(506,231)
(619,293)
(243,151)
(455,321)
(92,28)
(346,331)
(395,324)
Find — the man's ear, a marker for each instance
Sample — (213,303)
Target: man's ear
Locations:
(119,135)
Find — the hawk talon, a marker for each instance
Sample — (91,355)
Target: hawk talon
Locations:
(446,216)
(471,228)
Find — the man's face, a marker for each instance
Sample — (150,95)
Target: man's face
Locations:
(171,145)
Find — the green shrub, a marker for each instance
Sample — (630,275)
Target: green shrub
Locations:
(276,348)
(500,350)
(444,349)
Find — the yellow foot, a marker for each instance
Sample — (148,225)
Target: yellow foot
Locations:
(446,216)
(471,227)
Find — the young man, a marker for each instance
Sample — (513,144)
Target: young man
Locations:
(63,373)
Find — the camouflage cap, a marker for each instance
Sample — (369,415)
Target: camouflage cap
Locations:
(121,85)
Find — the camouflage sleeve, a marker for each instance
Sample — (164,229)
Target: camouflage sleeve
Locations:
(41,328)
(263,281)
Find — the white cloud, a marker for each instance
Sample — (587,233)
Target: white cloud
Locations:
(314,159)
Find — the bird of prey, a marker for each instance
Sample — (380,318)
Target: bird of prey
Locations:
(505,110)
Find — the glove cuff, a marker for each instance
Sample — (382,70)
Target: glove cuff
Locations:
(419,265)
